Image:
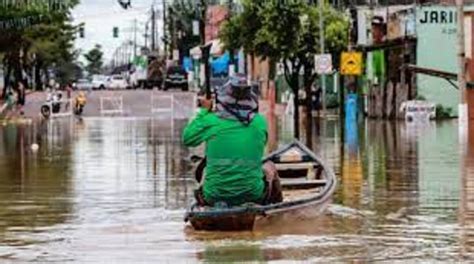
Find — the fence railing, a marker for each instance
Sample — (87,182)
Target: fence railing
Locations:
(177,106)
(111,105)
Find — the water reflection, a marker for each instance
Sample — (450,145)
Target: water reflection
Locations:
(351,169)
(466,210)
(242,251)
(35,188)
(109,190)
(86,174)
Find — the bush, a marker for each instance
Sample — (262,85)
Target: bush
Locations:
(332,100)
(420,98)
(443,112)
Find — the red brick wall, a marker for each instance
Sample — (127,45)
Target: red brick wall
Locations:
(216,15)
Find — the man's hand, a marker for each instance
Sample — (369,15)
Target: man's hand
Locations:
(206,103)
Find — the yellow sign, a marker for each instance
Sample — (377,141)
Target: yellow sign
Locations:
(351,63)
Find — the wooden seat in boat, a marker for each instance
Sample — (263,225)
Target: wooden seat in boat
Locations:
(301,184)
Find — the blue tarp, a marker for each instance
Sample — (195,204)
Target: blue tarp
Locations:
(187,64)
(220,65)
(351,128)
(351,107)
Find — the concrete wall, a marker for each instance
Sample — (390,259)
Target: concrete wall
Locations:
(436,31)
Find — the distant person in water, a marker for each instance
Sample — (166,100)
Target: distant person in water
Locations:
(9,106)
(21,96)
(235,135)
(69,90)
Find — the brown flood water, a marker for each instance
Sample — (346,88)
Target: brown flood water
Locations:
(115,190)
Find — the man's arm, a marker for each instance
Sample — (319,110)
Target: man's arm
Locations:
(263,126)
(197,131)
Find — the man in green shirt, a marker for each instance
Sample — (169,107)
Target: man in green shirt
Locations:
(235,136)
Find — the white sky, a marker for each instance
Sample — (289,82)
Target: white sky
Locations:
(100,16)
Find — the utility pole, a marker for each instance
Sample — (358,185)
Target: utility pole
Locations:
(205,49)
(165,46)
(153,28)
(114,58)
(134,38)
(463,112)
(123,51)
(231,52)
(321,41)
(130,52)
(146,35)
(202,22)
(119,56)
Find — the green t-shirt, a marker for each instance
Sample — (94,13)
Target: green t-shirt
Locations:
(234,154)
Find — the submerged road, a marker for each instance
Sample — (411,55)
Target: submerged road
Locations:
(137,103)
(131,103)
(114,190)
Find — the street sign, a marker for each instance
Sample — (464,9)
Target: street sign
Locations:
(195,27)
(125,3)
(351,63)
(176,54)
(323,63)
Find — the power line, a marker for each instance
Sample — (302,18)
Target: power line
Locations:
(105,14)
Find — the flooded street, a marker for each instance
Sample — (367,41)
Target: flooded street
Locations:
(116,189)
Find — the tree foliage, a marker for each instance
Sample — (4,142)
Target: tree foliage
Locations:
(35,38)
(231,34)
(181,14)
(94,60)
(236,32)
(287,32)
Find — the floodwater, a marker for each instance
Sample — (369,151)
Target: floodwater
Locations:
(115,190)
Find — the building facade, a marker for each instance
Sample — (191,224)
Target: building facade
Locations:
(436,49)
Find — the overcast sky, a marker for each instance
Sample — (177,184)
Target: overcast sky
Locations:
(100,16)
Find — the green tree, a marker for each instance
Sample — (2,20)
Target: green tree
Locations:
(287,31)
(42,37)
(94,60)
(179,24)
(69,71)
(241,30)
(50,46)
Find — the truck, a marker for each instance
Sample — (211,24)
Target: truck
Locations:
(148,72)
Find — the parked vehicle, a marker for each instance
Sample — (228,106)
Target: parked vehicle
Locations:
(155,72)
(83,84)
(117,82)
(176,77)
(138,78)
(148,72)
(99,82)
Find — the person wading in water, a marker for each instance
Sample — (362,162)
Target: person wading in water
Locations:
(235,135)
(21,97)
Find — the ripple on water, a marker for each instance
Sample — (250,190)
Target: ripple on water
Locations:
(115,190)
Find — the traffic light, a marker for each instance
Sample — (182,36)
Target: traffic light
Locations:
(116,32)
(81,32)
(125,3)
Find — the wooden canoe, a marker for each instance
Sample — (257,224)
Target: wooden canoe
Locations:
(308,185)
